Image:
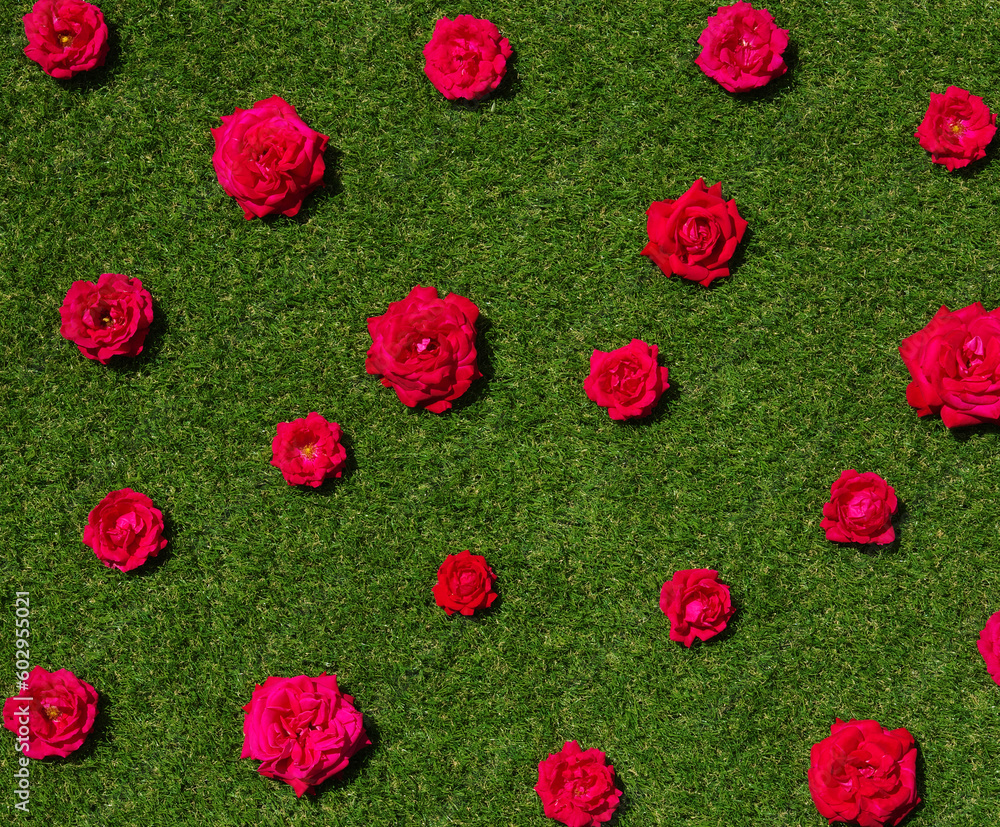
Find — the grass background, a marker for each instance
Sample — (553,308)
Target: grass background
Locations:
(532,205)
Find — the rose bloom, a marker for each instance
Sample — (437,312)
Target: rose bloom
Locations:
(696,235)
(268,158)
(110,318)
(57,718)
(626,381)
(989,646)
(66,37)
(742,48)
(303,730)
(697,605)
(308,450)
(864,774)
(955,365)
(465,583)
(125,529)
(860,509)
(466,57)
(956,128)
(424,348)
(577,787)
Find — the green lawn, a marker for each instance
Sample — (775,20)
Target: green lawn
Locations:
(533,206)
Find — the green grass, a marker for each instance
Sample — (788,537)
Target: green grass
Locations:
(532,205)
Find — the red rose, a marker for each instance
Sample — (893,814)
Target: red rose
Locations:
(860,509)
(303,730)
(308,450)
(955,365)
(626,381)
(424,348)
(267,158)
(577,787)
(465,583)
(125,530)
(742,48)
(956,128)
(989,646)
(697,605)
(864,774)
(66,37)
(696,235)
(52,715)
(110,318)
(466,57)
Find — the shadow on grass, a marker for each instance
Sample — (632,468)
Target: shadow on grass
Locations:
(88,81)
(356,765)
(330,485)
(94,737)
(507,90)
(154,564)
(151,346)
(739,256)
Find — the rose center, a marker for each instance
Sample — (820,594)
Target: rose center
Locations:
(64,38)
(973,351)
(425,344)
(53,713)
(955,127)
(309,451)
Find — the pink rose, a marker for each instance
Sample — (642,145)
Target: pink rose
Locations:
(860,509)
(465,583)
(303,730)
(627,381)
(989,646)
(864,774)
(124,530)
(424,348)
(267,158)
(956,128)
(308,450)
(742,48)
(466,57)
(696,604)
(577,787)
(696,235)
(52,715)
(955,365)
(110,318)
(66,37)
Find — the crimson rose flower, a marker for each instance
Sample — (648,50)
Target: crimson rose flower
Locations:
(989,646)
(268,158)
(110,318)
(52,714)
(696,235)
(308,450)
(424,348)
(956,128)
(66,36)
(125,529)
(697,605)
(955,365)
(466,57)
(742,48)
(864,774)
(577,787)
(626,381)
(465,583)
(860,509)
(303,730)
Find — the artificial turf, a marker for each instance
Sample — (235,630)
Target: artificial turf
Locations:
(531,204)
